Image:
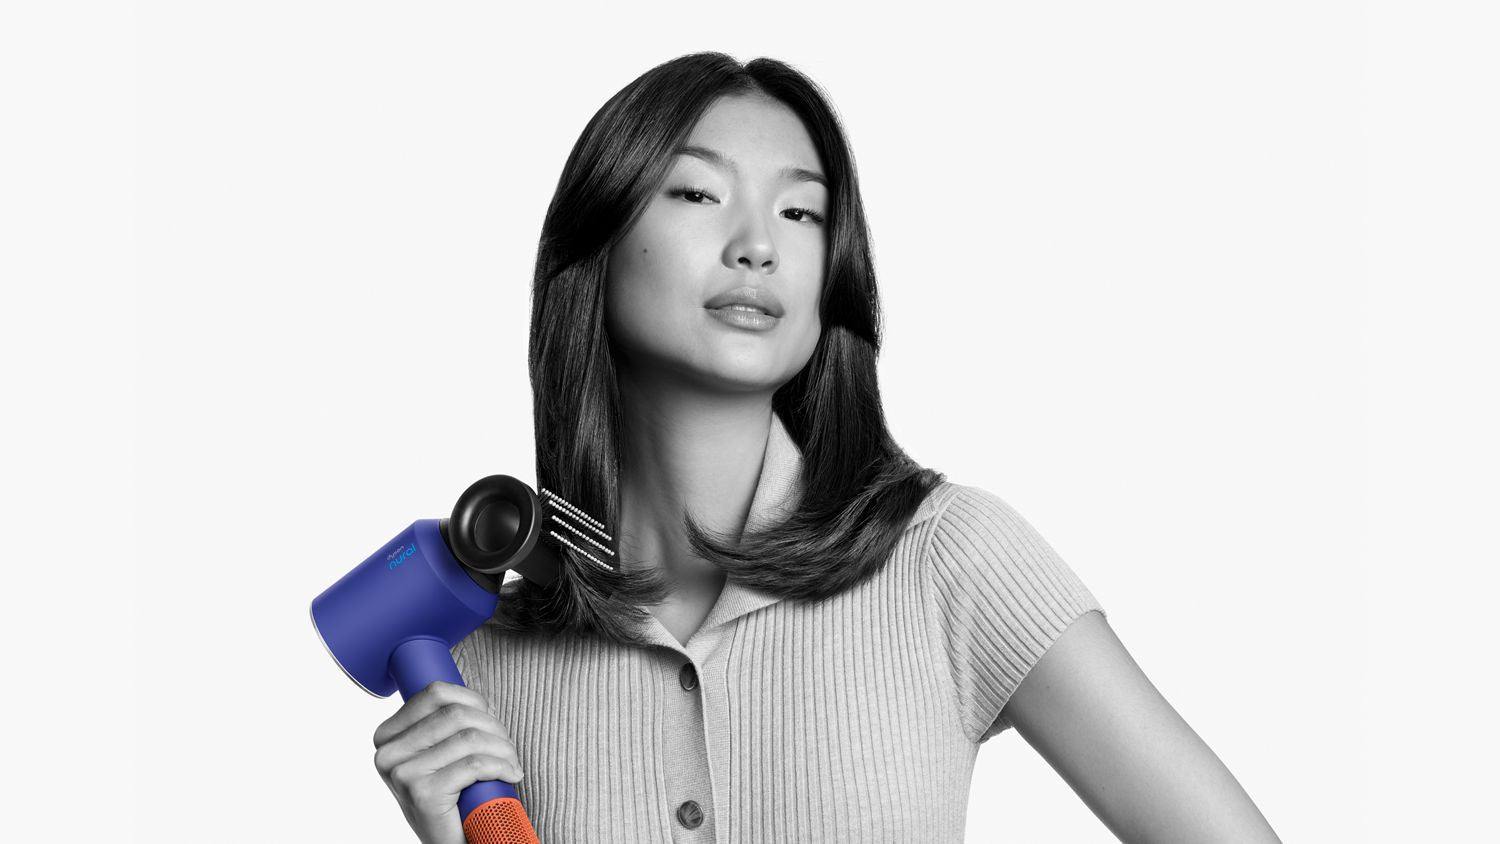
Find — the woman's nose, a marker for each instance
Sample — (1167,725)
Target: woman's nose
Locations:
(751,247)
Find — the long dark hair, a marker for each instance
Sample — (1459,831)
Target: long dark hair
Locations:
(859,489)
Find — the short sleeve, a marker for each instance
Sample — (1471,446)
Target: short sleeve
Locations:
(1001,597)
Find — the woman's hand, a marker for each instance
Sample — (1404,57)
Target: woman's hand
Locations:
(439,742)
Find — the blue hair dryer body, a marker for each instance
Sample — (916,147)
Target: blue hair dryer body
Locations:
(392,621)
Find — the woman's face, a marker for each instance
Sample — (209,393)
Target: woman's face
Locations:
(739,223)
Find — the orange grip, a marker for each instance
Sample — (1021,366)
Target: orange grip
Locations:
(499,821)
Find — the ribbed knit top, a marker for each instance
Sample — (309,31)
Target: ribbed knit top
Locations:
(854,719)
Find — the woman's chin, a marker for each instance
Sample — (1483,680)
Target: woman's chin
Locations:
(723,371)
(741,377)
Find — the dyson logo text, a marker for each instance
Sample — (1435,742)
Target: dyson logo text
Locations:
(398,556)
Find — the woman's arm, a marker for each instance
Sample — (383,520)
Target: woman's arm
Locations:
(1089,710)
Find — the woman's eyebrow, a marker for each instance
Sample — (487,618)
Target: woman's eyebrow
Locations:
(718,159)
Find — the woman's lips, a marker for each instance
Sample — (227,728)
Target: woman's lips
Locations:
(744,316)
(759,298)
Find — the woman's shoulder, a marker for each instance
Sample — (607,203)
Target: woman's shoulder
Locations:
(966,503)
(933,504)
(969,521)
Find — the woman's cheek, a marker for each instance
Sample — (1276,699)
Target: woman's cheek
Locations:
(807,342)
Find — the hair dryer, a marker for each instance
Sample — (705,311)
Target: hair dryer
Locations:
(391,622)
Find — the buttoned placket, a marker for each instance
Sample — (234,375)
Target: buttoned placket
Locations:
(695,721)
(694,793)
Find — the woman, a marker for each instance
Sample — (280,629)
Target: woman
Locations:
(806,636)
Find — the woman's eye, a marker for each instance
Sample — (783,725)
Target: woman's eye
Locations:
(806,213)
(697,196)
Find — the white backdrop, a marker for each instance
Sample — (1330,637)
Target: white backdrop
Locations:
(1199,289)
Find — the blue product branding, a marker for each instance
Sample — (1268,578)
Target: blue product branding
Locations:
(398,556)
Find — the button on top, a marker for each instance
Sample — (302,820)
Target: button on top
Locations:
(688,677)
(690,815)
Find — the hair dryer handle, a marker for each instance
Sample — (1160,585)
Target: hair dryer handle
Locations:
(491,810)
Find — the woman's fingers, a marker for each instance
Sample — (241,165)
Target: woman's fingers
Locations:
(466,741)
(434,793)
(438,743)
(453,730)
(424,703)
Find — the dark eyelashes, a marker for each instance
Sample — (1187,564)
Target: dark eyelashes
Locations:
(685,192)
(811,214)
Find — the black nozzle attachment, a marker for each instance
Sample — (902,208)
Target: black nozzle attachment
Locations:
(497,526)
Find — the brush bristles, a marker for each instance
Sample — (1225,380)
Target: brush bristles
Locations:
(560,538)
(581,535)
(580,524)
(558,501)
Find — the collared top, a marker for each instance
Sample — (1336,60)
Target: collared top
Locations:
(856,718)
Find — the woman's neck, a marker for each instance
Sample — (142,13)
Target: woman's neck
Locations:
(686,451)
